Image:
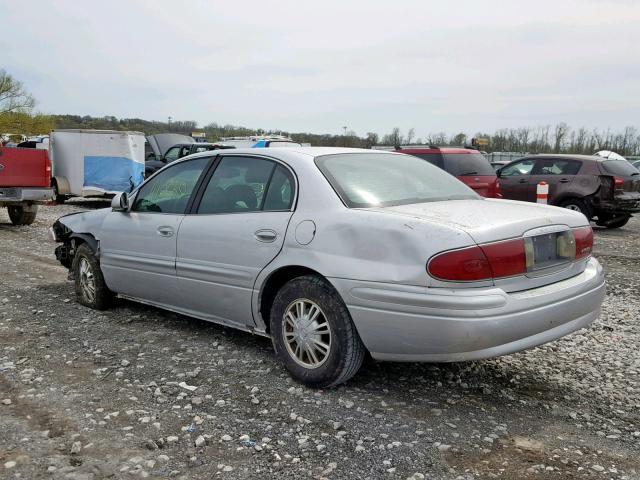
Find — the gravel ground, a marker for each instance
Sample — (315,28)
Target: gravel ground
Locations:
(139,392)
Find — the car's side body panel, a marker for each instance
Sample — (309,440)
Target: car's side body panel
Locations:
(216,275)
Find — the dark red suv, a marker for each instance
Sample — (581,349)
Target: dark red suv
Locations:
(467,165)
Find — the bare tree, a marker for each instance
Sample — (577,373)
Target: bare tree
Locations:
(13,96)
(410,134)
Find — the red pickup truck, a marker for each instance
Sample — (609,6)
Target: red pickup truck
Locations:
(25,182)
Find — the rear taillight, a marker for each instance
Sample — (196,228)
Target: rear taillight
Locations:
(494,260)
(508,258)
(584,241)
(618,182)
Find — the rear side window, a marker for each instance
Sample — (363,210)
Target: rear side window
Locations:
(467,164)
(556,166)
(280,191)
(237,185)
(618,167)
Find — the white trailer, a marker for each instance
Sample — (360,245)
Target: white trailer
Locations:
(89,163)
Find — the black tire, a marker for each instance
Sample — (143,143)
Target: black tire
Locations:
(621,222)
(20,216)
(577,205)
(346,351)
(86,270)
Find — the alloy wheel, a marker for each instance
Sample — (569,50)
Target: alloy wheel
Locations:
(87,281)
(306,333)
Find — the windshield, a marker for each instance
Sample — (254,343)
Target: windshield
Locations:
(463,164)
(619,167)
(365,180)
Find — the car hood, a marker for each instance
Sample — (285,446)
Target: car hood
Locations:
(85,222)
(489,220)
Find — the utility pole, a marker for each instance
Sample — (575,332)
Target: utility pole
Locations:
(169,122)
(344,140)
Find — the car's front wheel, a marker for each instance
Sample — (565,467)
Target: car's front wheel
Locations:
(578,205)
(313,334)
(91,290)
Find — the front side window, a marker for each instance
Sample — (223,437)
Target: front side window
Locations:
(237,185)
(364,180)
(556,166)
(520,168)
(170,190)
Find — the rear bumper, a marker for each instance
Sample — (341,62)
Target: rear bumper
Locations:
(408,323)
(621,206)
(25,194)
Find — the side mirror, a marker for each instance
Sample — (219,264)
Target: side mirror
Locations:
(120,203)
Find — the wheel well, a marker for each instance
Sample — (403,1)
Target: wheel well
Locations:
(275,282)
(80,238)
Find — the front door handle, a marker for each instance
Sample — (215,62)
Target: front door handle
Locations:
(266,235)
(523,180)
(565,180)
(165,231)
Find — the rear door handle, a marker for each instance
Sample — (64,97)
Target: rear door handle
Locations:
(565,180)
(523,180)
(266,235)
(165,231)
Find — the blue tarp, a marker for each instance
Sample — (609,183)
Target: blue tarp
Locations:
(113,174)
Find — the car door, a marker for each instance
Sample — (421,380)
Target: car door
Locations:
(514,180)
(138,247)
(558,173)
(236,228)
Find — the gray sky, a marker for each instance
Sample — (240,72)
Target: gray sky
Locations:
(316,66)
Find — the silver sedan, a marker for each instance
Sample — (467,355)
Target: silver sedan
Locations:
(337,252)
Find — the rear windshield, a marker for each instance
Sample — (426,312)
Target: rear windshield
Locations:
(619,167)
(467,164)
(386,179)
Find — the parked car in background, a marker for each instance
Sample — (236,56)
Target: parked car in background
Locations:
(25,182)
(333,252)
(602,189)
(467,165)
(178,151)
(636,164)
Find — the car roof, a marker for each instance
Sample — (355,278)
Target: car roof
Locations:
(435,150)
(568,156)
(285,153)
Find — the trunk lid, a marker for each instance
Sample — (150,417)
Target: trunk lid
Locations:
(489,220)
(24,167)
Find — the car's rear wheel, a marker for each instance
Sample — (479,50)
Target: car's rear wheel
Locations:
(21,216)
(609,223)
(91,290)
(313,334)
(577,205)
